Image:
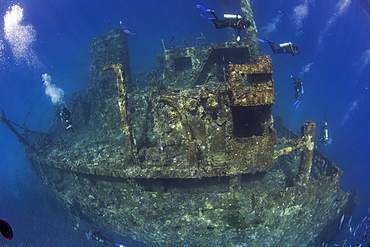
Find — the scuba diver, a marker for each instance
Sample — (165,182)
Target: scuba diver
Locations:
(66,116)
(287,47)
(96,235)
(324,134)
(230,20)
(126,30)
(6,229)
(298,88)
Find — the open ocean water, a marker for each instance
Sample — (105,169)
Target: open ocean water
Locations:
(53,37)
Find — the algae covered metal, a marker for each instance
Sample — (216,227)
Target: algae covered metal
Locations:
(189,154)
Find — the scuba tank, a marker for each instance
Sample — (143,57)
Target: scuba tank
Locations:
(233,16)
(285,44)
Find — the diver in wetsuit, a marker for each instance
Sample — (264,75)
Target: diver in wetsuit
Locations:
(298,88)
(66,116)
(324,135)
(230,20)
(287,47)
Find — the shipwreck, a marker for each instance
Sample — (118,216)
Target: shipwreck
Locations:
(189,154)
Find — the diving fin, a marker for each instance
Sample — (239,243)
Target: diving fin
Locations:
(265,40)
(208,18)
(205,9)
(297,104)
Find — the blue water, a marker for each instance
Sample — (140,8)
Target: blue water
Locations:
(333,36)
